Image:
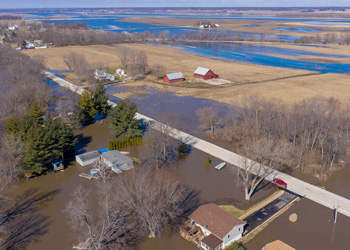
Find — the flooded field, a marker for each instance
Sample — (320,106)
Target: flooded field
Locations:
(154,102)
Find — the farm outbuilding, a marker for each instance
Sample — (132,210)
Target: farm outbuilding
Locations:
(204,73)
(88,158)
(174,77)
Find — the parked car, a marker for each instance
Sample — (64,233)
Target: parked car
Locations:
(280,182)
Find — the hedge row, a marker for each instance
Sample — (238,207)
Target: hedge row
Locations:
(115,145)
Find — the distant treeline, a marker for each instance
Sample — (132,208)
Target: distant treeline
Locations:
(328,38)
(10,17)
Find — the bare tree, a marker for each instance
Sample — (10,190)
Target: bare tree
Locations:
(161,145)
(264,157)
(158,70)
(209,118)
(141,61)
(127,57)
(157,197)
(108,226)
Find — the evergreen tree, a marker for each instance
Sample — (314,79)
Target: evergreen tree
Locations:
(122,121)
(86,107)
(36,113)
(12,125)
(101,104)
(38,151)
(62,136)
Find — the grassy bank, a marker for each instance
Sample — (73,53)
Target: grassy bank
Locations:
(242,213)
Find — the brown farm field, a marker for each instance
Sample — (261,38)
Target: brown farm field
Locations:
(288,85)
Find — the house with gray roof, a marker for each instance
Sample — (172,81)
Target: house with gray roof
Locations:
(117,161)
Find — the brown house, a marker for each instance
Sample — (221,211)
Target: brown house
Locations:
(174,77)
(219,227)
(204,73)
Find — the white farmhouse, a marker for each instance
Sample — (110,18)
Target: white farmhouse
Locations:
(13,27)
(101,74)
(219,227)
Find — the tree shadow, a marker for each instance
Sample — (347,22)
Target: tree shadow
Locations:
(82,143)
(23,223)
(261,185)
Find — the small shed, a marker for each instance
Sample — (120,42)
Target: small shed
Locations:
(204,73)
(117,161)
(88,158)
(57,164)
(174,77)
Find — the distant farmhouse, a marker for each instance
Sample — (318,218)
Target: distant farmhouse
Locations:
(174,77)
(212,227)
(101,75)
(117,161)
(13,27)
(204,73)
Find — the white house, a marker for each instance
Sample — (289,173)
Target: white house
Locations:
(219,227)
(13,27)
(117,161)
(101,74)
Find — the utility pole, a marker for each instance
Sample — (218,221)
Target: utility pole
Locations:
(335,213)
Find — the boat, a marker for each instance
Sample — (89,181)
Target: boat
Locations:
(220,166)
(94,171)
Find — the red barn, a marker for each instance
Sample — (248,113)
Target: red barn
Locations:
(204,73)
(174,77)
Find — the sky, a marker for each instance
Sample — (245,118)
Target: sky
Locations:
(167,3)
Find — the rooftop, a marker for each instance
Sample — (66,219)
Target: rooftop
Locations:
(215,219)
(201,71)
(89,155)
(115,157)
(174,76)
(212,241)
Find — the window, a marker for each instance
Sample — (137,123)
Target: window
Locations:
(239,229)
(228,236)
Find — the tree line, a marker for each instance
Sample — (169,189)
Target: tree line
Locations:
(341,38)
(311,137)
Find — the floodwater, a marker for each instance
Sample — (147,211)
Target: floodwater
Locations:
(154,102)
(298,29)
(314,229)
(262,55)
(211,185)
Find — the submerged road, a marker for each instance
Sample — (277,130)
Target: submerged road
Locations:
(302,188)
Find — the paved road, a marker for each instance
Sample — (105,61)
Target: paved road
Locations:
(295,185)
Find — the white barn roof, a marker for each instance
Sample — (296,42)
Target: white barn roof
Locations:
(201,71)
(174,76)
